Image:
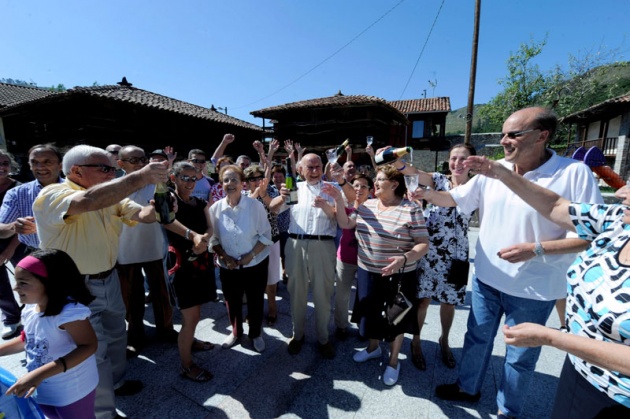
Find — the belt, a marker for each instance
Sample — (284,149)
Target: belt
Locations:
(101,275)
(310,237)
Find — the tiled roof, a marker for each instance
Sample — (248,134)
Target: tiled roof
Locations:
(338,100)
(11,94)
(607,104)
(432,104)
(148,99)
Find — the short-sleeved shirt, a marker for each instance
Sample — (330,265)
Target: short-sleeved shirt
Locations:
(384,234)
(507,220)
(598,285)
(18,202)
(90,238)
(203,187)
(46,342)
(144,242)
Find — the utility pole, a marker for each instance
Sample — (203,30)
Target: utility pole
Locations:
(473,74)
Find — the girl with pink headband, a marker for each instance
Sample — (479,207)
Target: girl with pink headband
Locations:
(57,337)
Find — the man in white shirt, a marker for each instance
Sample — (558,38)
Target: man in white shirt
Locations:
(310,255)
(521,258)
(143,248)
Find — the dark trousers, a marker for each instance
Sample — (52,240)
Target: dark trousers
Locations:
(251,282)
(9,307)
(132,290)
(576,398)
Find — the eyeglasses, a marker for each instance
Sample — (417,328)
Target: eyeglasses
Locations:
(515,134)
(102,167)
(115,152)
(255,179)
(380,180)
(197,161)
(5,163)
(135,160)
(185,178)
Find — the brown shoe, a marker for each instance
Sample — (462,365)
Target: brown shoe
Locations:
(295,346)
(327,350)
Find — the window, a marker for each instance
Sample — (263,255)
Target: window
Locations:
(417,129)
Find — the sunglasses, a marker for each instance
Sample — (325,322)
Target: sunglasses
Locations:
(186,178)
(101,167)
(255,179)
(197,161)
(135,160)
(515,134)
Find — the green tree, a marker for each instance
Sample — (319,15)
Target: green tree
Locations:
(522,87)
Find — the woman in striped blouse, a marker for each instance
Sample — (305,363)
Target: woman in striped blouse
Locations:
(392,238)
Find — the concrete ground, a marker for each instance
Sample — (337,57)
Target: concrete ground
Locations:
(275,384)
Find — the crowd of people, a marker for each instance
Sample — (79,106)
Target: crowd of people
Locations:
(400,247)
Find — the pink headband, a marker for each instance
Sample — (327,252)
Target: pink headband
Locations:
(33,265)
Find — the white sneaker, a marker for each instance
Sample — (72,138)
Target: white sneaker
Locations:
(259,344)
(229,341)
(390,377)
(364,355)
(10,329)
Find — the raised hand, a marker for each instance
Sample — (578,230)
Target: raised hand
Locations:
(228,138)
(288,147)
(258,146)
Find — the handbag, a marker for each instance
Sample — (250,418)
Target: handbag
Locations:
(458,275)
(398,308)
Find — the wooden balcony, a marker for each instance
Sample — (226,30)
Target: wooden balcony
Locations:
(607,145)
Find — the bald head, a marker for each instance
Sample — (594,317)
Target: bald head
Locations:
(312,168)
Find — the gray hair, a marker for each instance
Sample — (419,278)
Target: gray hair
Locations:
(80,155)
(242,157)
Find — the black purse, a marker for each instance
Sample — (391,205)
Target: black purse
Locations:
(397,309)
(458,275)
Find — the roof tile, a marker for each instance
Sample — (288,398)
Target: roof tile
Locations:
(432,104)
(11,94)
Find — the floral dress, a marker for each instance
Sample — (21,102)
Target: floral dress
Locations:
(448,237)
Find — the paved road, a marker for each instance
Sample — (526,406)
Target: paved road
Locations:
(276,384)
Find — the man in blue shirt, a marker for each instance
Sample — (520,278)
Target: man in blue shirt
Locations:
(16,216)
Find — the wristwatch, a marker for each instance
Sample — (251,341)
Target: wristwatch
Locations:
(539,250)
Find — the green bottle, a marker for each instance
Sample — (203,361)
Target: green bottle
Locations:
(164,213)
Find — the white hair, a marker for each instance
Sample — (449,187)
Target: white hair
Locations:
(81,154)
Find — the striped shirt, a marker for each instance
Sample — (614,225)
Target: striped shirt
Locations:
(18,203)
(382,235)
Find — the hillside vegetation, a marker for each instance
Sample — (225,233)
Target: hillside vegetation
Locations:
(590,88)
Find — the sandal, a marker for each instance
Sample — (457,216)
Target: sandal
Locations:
(201,346)
(447,357)
(417,359)
(196,373)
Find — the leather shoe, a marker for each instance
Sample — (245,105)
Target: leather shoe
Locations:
(452,392)
(390,377)
(327,350)
(341,333)
(295,346)
(364,355)
(130,388)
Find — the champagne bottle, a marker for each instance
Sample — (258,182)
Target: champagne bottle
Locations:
(164,213)
(289,182)
(391,154)
(341,148)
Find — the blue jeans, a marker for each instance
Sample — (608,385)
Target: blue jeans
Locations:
(488,306)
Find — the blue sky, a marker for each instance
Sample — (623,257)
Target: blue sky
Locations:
(241,54)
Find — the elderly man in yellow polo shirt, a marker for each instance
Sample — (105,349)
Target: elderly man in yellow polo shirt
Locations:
(83,216)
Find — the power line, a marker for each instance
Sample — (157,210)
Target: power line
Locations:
(421,51)
(324,60)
